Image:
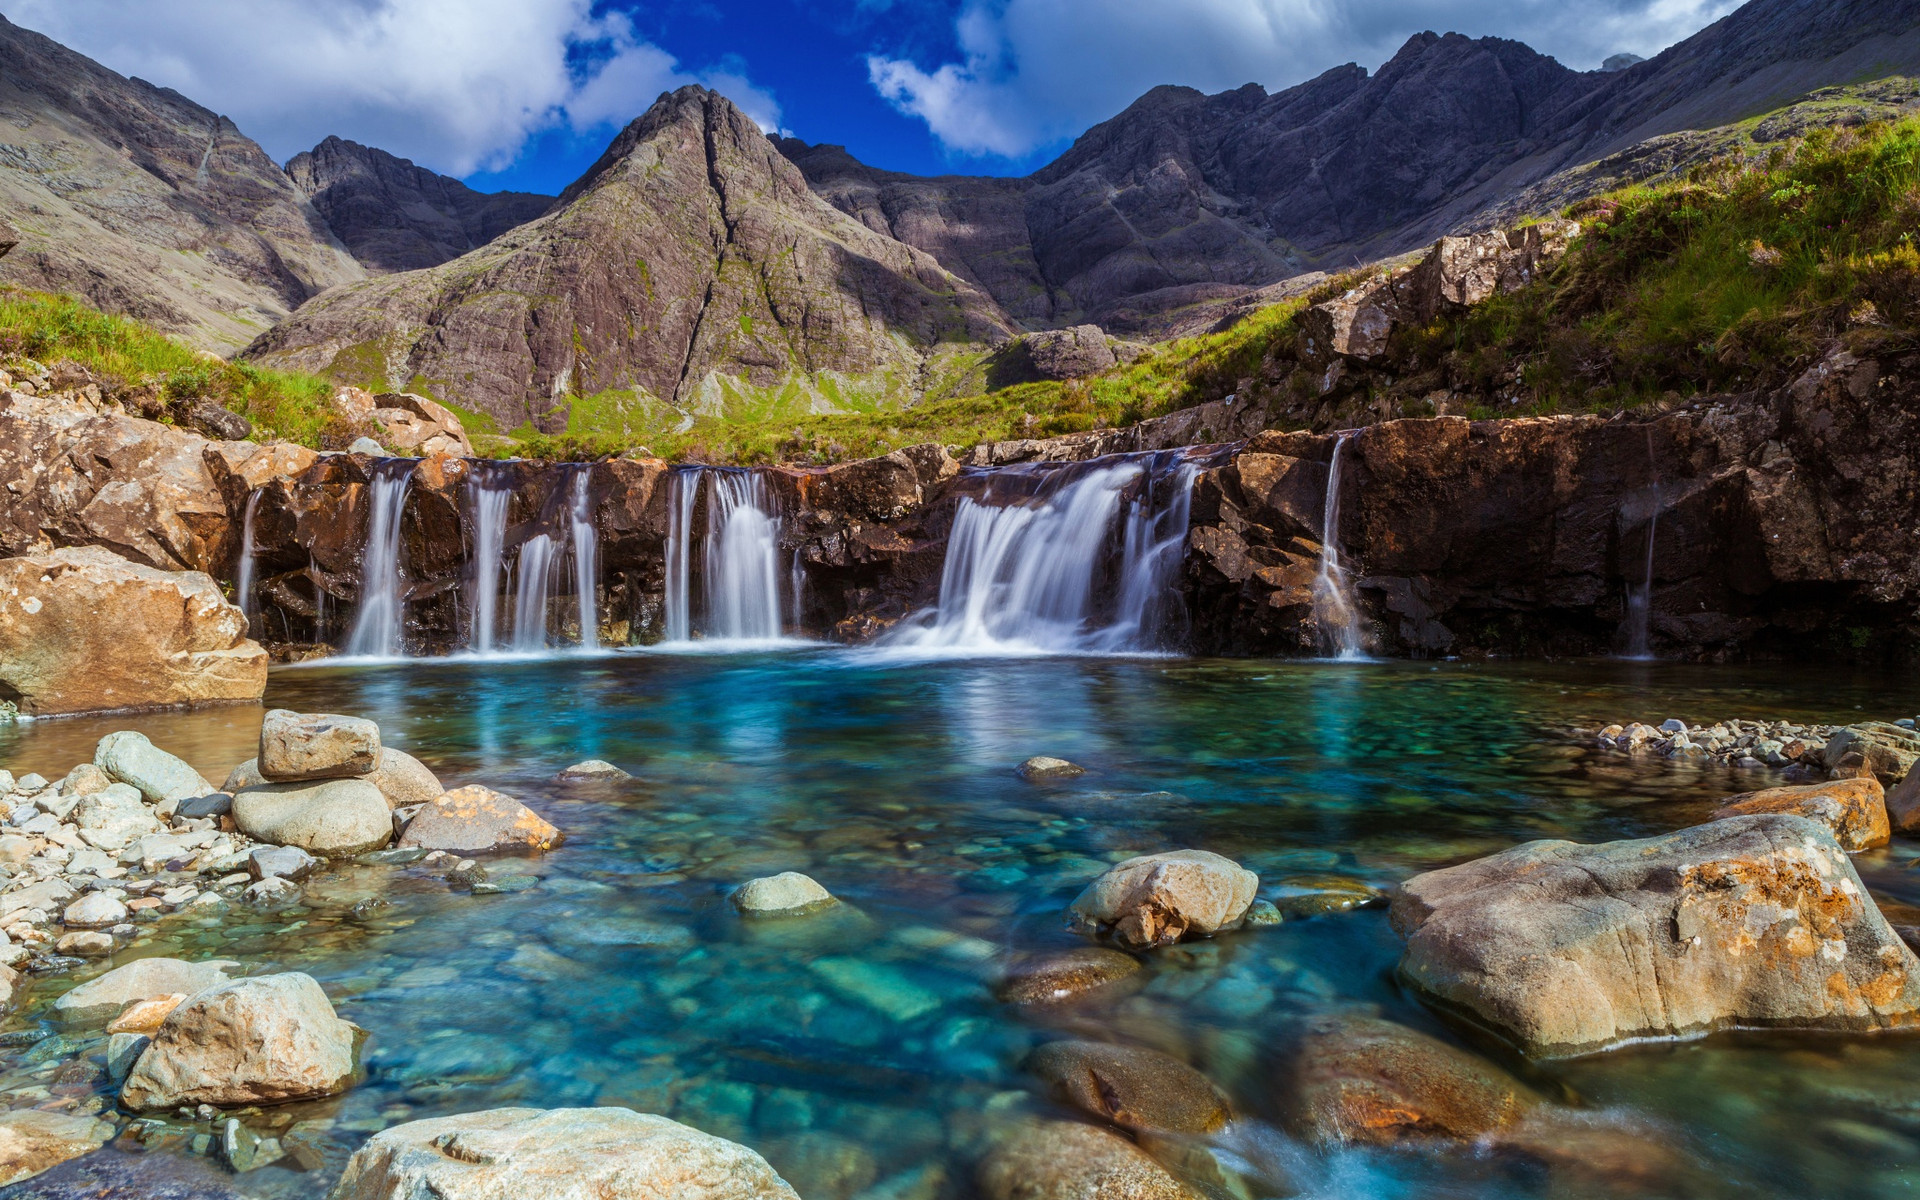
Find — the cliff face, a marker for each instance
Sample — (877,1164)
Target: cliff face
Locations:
(1186,199)
(145,203)
(395,216)
(691,257)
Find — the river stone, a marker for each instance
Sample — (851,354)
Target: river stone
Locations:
(1358,1079)
(297,746)
(1039,768)
(786,894)
(1158,899)
(131,759)
(1854,809)
(593,769)
(95,910)
(110,819)
(1752,921)
(85,780)
(213,804)
(404,779)
(265,1040)
(1888,752)
(123,1050)
(1903,804)
(1062,976)
(284,862)
(31,1141)
(1317,895)
(244,776)
(556,1154)
(479,820)
(85,943)
(1131,1086)
(333,818)
(100,1000)
(1065,1160)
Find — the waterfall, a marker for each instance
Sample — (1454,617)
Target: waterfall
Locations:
(489,498)
(1638,625)
(377,623)
(740,559)
(796,591)
(537,556)
(243,577)
(586,566)
(1026,576)
(1334,610)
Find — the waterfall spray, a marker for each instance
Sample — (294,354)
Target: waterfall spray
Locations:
(243,577)
(1334,610)
(489,499)
(377,624)
(535,584)
(740,559)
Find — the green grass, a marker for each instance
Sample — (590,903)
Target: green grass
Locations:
(124,355)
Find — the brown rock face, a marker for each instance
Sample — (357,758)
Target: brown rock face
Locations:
(1753,920)
(479,820)
(1372,1082)
(692,253)
(84,630)
(1131,1086)
(1854,809)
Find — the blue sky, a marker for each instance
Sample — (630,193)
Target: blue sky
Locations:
(525,93)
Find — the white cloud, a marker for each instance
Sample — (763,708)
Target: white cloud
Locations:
(1031,72)
(456,85)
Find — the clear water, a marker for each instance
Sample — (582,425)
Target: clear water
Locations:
(865,1049)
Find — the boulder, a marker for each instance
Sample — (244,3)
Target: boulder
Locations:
(479,820)
(95,910)
(1131,1086)
(786,894)
(84,780)
(416,426)
(592,770)
(85,943)
(1063,1160)
(316,746)
(1751,921)
(1040,767)
(131,759)
(1903,804)
(280,862)
(333,818)
(1063,976)
(32,1141)
(1855,810)
(265,1040)
(84,630)
(1158,899)
(100,1000)
(561,1154)
(1885,751)
(1355,324)
(112,818)
(1358,1079)
(401,778)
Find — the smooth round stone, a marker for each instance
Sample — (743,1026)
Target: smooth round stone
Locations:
(591,770)
(1041,768)
(329,818)
(787,894)
(1131,1086)
(95,910)
(86,944)
(1063,976)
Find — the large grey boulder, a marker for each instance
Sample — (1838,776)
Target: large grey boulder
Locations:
(556,1154)
(1158,899)
(1750,921)
(100,1000)
(333,818)
(265,1040)
(130,758)
(316,746)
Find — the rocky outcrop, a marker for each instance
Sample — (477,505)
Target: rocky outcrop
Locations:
(394,216)
(1751,921)
(405,423)
(147,204)
(84,630)
(690,259)
(606,1153)
(265,1040)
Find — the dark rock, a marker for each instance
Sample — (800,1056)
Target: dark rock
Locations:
(1131,1086)
(214,804)
(114,1174)
(217,422)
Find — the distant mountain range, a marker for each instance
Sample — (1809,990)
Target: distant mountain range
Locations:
(699,266)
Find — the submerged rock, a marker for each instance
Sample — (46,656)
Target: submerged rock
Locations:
(479,820)
(1064,1160)
(1756,920)
(100,1000)
(786,894)
(592,770)
(1363,1080)
(1131,1086)
(333,818)
(1040,768)
(1316,895)
(1855,810)
(603,1153)
(316,746)
(1062,976)
(31,1141)
(1158,899)
(264,1040)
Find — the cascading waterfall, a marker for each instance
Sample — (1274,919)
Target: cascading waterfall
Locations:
(535,584)
(586,556)
(377,624)
(1638,625)
(1334,610)
(740,559)
(243,576)
(1025,577)
(488,498)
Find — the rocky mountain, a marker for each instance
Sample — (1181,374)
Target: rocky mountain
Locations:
(691,265)
(145,203)
(395,216)
(1185,199)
